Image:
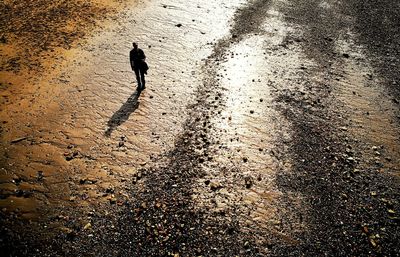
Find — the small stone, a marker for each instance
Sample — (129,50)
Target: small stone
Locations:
(17,180)
(3,40)
(248,183)
(40,175)
(178,25)
(87,226)
(69,232)
(214,186)
(373,243)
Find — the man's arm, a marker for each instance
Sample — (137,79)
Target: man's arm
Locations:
(142,56)
(131,60)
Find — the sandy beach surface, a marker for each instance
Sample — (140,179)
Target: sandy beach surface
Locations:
(267,128)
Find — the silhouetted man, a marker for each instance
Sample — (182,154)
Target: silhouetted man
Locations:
(138,65)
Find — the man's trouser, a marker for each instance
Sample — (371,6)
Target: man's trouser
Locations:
(140,78)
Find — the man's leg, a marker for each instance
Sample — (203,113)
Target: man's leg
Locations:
(138,78)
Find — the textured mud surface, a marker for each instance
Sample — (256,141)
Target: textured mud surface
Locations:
(268,128)
(33,31)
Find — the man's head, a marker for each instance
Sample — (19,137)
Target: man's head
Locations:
(134,44)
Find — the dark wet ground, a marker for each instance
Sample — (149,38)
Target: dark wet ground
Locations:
(279,138)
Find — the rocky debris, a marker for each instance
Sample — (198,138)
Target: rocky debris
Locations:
(84,181)
(110,190)
(40,175)
(87,226)
(23,193)
(16,180)
(214,185)
(70,233)
(3,40)
(113,200)
(71,155)
(137,176)
(248,182)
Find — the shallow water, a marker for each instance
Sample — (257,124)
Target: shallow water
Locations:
(91,107)
(250,130)
(373,113)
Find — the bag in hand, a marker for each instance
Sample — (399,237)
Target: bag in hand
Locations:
(145,67)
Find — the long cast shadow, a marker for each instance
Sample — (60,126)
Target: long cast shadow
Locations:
(123,113)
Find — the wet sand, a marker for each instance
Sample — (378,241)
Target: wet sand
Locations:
(39,40)
(262,132)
